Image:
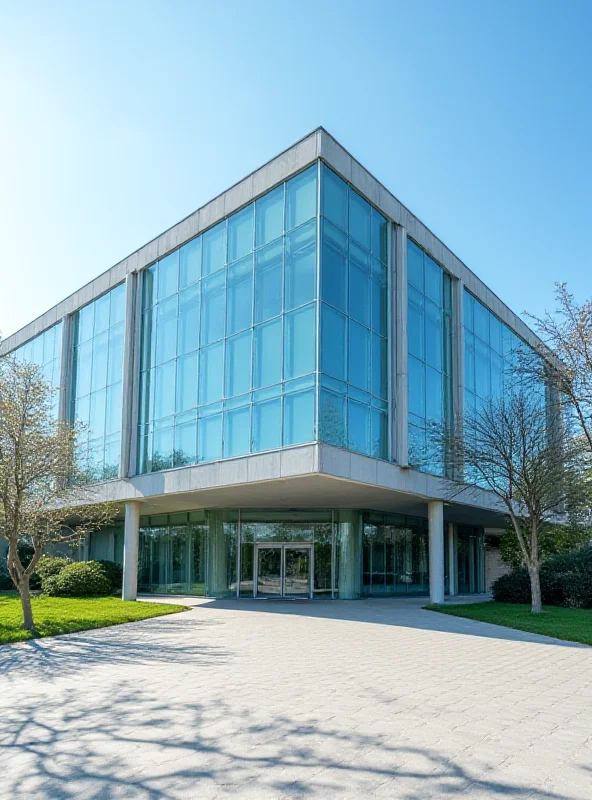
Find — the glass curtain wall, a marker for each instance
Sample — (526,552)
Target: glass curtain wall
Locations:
(430,358)
(395,555)
(354,332)
(228,352)
(45,350)
(470,560)
(96,386)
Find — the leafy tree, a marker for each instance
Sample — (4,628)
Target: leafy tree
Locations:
(43,498)
(554,539)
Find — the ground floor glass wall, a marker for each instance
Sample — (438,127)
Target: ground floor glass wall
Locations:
(292,553)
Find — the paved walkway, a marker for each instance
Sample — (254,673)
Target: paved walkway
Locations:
(374,698)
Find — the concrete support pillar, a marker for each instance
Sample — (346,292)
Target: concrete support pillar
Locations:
(131,538)
(129,388)
(451,560)
(436,534)
(65,369)
(399,335)
(218,551)
(350,553)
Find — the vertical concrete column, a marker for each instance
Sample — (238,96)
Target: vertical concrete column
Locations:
(458,365)
(65,369)
(131,538)
(349,532)
(399,369)
(451,560)
(436,536)
(129,391)
(217,549)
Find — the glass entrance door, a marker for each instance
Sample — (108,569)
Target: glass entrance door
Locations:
(283,570)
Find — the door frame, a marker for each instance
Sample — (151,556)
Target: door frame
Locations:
(283,546)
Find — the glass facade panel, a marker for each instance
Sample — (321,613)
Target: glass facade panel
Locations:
(354,344)
(227,321)
(429,360)
(96,384)
(395,555)
(45,350)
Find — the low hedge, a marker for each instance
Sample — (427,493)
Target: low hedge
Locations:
(114,572)
(566,580)
(78,579)
(51,565)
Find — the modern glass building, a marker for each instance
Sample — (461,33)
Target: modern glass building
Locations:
(257,385)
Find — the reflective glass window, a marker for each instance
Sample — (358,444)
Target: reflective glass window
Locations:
(166,332)
(359,220)
(267,424)
(359,356)
(190,263)
(301,259)
(269,267)
(211,373)
(299,417)
(335,199)
(379,236)
(334,266)
(213,308)
(186,383)
(237,432)
(188,320)
(333,418)
(209,438)
(359,284)
(301,198)
(269,217)
(358,426)
(300,342)
(267,354)
(415,274)
(168,275)
(333,342)
(214,249)
(238,364)
(240,234)
(185,451)
(240,296)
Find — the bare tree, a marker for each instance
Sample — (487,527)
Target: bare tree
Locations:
(519,450)
(42,496)
(567,333)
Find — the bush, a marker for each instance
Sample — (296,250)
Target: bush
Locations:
(48,566)
(78,579)
(566,580)
(114,572)
(6,583)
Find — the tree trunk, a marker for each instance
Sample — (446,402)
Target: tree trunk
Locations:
(535,590)
(28,622)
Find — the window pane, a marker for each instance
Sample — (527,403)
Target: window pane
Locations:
(301,198)
(481,322)
(115,353)
(240,296)
(333,343)
(469,361)
(98,408)
(213,308)
(359,219)
(358,427)
(416,387)
(359,356)
(269,217)
(379,236)
(214,249)
(379,434)
(83,368)
(238,364)
(190,262)
(113,414)
(209,438)
(359,284)
(168,275)
(102,306)
(186,383)
(240,234)
(379,370)
(379,298)
(163,449)
(237,431)
(433,281)
(100,346)
(301,258)
(433,335)
(267,354)
(335,193)
(117,296)
(185,444)
(299,342)
(334,266)
(188,323)
(332,418)
(495,334)
(211,373)
(164,390)
(482,373)
(415,265)
(267,425)
(166,330)
(149,282)
(299,417)
(434,399)
(269,263)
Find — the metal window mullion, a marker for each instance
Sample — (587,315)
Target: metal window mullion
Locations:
(318,309)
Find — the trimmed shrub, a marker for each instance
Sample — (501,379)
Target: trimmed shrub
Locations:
(51,565)
(78,579)
(566,580)
(114,572)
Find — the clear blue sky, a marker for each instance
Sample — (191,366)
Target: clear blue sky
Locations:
(120,118)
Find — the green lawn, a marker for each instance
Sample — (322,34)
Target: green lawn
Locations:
(55,615)
(573,624)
